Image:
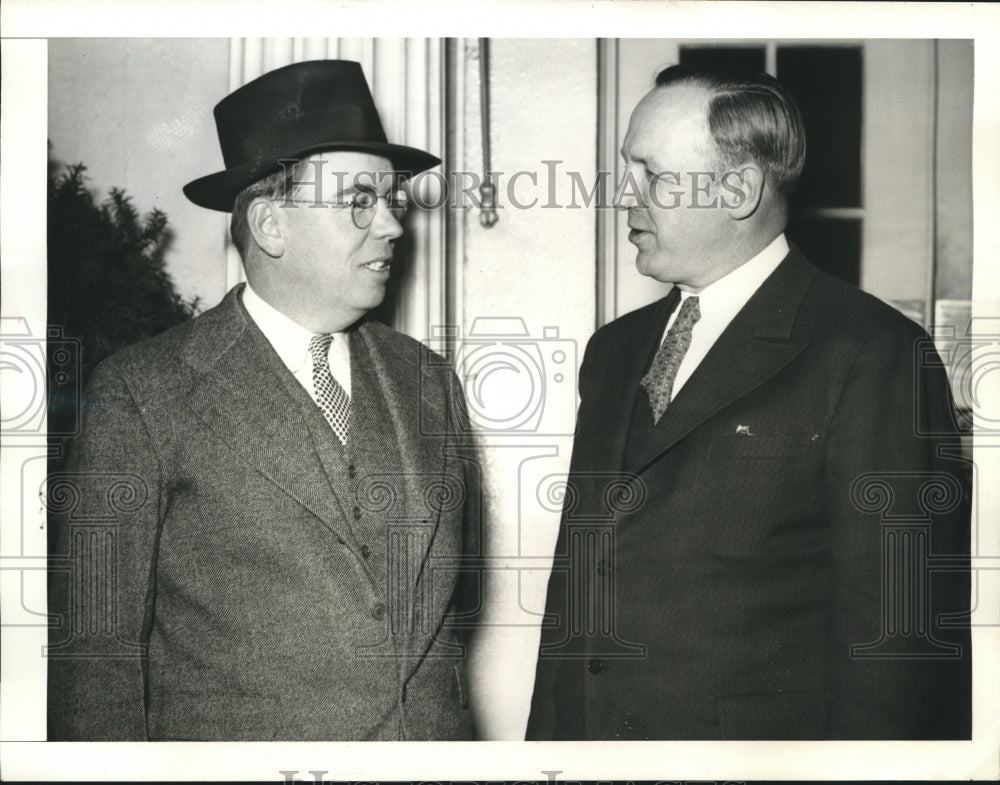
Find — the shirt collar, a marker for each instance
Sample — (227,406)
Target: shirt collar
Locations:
(289,339)
(736,287)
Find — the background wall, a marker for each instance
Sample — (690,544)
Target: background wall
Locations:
(953,171)
(536,265)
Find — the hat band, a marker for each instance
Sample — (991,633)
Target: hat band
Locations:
(341,125)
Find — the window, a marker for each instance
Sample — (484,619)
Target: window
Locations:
(826,82)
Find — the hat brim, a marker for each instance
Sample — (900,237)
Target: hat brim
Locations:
(218,191)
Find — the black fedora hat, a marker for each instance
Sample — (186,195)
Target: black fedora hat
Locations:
(293,112)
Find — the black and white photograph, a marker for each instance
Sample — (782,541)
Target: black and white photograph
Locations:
(532,378)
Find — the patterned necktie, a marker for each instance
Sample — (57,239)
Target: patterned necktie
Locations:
(659,380)
(330,396)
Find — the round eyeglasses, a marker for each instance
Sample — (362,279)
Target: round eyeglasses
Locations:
(364,205)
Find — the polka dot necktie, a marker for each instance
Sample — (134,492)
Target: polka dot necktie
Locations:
(659,380)
(332,400)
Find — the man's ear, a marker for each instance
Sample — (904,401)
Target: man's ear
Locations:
(265,226)
(742,190)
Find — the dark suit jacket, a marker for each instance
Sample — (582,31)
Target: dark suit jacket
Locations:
(712,583)
(210,584)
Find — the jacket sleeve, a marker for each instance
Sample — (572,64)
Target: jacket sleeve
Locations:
(469,594)
(897,502)
(104,508)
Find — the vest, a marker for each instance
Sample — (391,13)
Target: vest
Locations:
(366,475)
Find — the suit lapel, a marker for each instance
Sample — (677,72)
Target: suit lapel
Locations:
(755,346)
(417,407)
(243,398)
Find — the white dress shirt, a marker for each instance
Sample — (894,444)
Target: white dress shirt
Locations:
(291,341)
(720,301)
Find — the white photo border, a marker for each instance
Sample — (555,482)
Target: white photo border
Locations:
(27,23)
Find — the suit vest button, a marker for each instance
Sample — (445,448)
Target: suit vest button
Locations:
(595,666)
(378,611)
(351,471)
(366,551)
(357,513)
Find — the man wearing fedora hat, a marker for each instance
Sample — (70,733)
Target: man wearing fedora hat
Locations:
(299,485)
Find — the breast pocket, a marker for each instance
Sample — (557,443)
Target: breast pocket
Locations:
(747,445)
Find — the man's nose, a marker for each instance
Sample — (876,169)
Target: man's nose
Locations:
(625,195)
(386,224)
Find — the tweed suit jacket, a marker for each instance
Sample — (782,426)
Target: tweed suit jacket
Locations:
(750,582)
(208,583)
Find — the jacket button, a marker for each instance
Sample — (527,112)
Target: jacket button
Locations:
(357,513)
(595,666)
(378,611)
(603,569)
(366,551)
(351,471)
